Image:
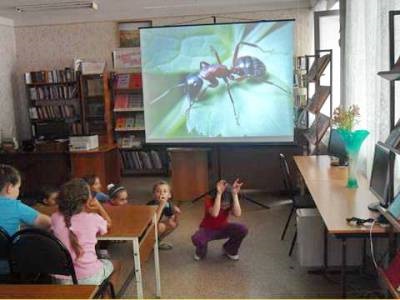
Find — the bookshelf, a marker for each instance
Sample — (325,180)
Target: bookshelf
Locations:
(54,103)
(311,97)
(129,130)
(96,106)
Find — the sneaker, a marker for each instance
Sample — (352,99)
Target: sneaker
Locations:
(196,257)
(164,246)
(231,257)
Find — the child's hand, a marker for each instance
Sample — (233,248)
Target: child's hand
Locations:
(177,209)
(164,198)
(93,205)
(221,186)
(236,186)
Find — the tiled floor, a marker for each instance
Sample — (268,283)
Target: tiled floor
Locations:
(263,271)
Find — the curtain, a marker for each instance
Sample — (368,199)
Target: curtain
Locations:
(367,53)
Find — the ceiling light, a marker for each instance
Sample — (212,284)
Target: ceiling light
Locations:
(57,6)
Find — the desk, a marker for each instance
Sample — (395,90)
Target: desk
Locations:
(47,291)
(335,202)
(129,223)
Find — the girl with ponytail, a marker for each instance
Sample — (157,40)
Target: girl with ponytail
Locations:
(80,218)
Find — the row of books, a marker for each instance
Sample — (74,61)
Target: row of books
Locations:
(128,81)
(51,112)
(128,101)
(62,92)
(131,122)
(76,128)
(141,160)
(129,141)
(53,76)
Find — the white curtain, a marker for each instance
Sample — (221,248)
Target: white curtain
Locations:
(367,53)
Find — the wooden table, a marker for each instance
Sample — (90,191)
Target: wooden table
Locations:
(131,223)
(47,291)
(335,202)
(136,223)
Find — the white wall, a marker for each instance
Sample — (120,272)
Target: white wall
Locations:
(7,78)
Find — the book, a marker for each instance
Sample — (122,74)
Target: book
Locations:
(318,128)
(128,81)
(319,98)
(393,140)
(318,67)
(120,123)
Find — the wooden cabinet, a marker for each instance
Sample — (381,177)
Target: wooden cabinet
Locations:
(38,169)
(54,103)
(96,106)
(189,170)
(129,129)
(103,162)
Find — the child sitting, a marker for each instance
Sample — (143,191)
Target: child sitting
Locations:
(80,218)
(215,225)
(14,212)
(118,194)
(50,195)
(95,187)
(166,212)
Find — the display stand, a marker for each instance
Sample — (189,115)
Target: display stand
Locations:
(189,172)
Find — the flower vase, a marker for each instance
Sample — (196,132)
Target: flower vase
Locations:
(352,141)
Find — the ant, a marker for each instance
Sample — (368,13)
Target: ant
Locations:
(244,67)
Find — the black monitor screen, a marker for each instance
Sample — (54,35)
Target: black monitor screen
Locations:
(52,130)
(380,176)
(336,147)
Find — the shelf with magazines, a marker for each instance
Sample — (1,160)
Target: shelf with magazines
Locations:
(54,103)
(312,89)
(129,128)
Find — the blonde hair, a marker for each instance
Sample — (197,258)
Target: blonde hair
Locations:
(159,183)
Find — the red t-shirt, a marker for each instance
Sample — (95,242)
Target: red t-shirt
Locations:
(214,222)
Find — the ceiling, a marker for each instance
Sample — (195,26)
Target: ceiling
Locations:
(117,10)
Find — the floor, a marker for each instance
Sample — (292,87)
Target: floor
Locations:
(263,271)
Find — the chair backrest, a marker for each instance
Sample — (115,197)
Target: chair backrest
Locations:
(287,179)
(5,241)
(35,251)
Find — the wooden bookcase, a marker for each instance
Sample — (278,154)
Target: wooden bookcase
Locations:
(129,130)
(96,106)
(54,103)
(311,97)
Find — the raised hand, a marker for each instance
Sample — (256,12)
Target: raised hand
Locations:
(221,186)
(236,186)
(93,205)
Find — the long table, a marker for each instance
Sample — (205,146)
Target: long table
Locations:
(47,291)
(335,202)
(135,223)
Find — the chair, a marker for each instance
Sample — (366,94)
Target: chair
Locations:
(5,241)
(35,251)
(298,200)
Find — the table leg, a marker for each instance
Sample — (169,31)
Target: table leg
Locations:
(343,279)
(325,248)
(138,270)
(156,259)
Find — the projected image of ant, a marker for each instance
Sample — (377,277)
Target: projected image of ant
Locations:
(196,84)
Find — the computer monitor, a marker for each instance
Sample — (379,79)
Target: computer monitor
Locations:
(382,170)
(52,130)
(337,148)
